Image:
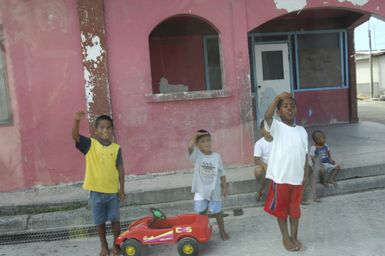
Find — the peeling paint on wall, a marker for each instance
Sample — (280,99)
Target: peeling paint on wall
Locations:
(355,2)
(310,112)
(94,51)
(95,72)
(290,5)
(89,87)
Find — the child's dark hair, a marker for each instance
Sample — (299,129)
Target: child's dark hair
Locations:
(281,101)
(206,133)
(103,117)
(316,133)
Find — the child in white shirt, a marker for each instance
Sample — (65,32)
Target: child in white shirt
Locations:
(209,180)
(262,149)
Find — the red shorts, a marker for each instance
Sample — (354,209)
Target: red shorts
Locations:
(284,200)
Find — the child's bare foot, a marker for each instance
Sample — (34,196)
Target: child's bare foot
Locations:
(116,251)
(224,236)
(290,245)
(299,244)
(104,252)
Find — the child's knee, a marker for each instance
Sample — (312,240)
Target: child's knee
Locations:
(259,170)
(218,215)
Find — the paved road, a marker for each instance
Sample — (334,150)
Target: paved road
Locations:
(371,111)
(347,225)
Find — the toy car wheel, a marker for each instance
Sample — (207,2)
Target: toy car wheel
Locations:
(188,247)
(131,247)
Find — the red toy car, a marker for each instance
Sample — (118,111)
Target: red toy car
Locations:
(187,230)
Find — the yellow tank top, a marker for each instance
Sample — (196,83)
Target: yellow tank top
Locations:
(102,174)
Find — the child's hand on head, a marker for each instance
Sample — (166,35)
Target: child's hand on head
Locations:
(197,134)
(284,95)
(80,115)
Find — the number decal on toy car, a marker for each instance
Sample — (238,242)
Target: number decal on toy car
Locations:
(183,230)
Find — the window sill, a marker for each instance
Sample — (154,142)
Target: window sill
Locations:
(195,95)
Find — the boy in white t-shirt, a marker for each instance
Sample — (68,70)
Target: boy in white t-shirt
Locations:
(262,149)
(286,168)
(209,180)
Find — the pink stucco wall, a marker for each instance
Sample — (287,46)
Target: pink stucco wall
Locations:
(46,85)
(45,78)
(322,107)
(154,135)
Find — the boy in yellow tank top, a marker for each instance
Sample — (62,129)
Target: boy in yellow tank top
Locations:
(104,176)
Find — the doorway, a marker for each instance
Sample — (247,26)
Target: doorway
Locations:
(272,69)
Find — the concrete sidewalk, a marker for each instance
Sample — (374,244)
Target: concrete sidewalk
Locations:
(358,148)
(346,225)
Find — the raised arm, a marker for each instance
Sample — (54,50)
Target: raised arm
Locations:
(273,106)
(75,129)
(193,140)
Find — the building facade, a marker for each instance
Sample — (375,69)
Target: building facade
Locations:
(165,69)
(367,76)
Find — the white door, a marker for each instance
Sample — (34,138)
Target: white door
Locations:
(273,74)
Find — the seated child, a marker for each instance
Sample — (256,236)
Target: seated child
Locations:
(262,149)
(209,180)
(328,168)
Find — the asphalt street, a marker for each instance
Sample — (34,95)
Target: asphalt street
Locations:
(346,225)
(371,110)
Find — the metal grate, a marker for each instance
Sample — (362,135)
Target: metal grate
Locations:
(55,235)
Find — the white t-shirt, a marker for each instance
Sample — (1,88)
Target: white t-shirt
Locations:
(288,153)
(207,172)
(262,149)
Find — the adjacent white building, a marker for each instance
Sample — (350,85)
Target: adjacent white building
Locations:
(363,73)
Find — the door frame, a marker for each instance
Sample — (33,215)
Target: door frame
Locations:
(254,94)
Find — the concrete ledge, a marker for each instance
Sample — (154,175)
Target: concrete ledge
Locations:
(148,191)
(13,223)
(361,171)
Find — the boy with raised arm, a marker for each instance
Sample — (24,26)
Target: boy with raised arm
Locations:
(104,176)
(209,180)
(286,168)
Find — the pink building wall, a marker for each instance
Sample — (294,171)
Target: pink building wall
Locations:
(46,86)
(154,135)
(45,78)
(323,107)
